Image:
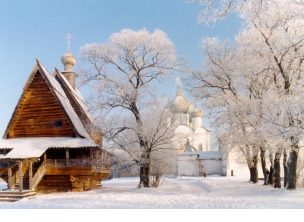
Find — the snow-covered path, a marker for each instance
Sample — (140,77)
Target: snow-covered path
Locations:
(178,193)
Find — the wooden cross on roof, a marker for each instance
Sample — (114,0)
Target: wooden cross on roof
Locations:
(68,37)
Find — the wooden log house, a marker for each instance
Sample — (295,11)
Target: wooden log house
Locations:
(50,144)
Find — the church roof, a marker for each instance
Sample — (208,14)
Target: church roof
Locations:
(24,148)
(65,103)
(205,155)
(76,95)
(61,97)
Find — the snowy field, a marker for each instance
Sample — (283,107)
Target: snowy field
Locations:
(176,193)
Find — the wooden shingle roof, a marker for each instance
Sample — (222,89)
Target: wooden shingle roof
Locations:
(56,89)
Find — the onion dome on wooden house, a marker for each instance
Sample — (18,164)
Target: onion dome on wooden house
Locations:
(68,60)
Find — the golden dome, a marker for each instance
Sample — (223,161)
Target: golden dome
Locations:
(180,104)
(196,112)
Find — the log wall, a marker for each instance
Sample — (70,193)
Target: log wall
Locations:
(39,114)
(74,179)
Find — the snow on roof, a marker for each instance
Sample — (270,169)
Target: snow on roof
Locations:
(205,155)
(66,103)
(24,148)
(78,97)
(210,155)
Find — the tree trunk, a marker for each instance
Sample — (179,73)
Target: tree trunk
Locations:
(263,163)
(141,177)
(254,176)
(285,167)
(144,176)
(277,170)
(270,176)
(144,172)
(156,181)
(292,169)
(292,164)
(147,175)
(255,170)
(145,157)
(251,174)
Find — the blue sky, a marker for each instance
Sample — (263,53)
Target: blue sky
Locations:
(36,29)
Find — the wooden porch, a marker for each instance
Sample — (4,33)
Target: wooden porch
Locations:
(24,176)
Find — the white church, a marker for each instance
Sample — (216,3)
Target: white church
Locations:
(194,154)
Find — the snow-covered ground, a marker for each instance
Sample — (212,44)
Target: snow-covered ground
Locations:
(179,193)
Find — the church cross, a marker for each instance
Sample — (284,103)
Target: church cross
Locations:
(68,37)
(178,82)
(195,102)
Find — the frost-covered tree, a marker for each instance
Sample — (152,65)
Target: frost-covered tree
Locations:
(221,84)
(121,135)
(217,10)
(123,71)
(265,71)
(163,162)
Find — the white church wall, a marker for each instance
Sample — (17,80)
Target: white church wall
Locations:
(196,122)
(188,165)
(200,137)
(182,133)
(182,119)
(237,162)
(183,130)
(211,166)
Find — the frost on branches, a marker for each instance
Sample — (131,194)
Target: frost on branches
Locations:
(122,72)
(122,133)
(254,85)
(217,10)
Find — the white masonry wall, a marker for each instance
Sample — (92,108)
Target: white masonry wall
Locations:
(191,165)
(188,165)
(211,166)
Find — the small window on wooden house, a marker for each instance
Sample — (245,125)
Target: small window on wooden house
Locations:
(58,123)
